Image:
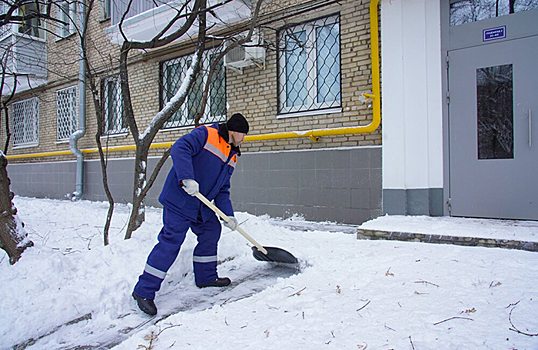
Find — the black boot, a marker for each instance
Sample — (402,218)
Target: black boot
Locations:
(219,282)
(146,305)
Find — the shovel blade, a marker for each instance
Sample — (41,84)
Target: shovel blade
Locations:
(274,255)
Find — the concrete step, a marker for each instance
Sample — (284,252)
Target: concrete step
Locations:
(493,233)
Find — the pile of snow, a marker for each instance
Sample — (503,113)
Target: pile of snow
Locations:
(69,290)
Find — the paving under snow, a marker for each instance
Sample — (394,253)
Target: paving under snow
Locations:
(461,227)
(69,291)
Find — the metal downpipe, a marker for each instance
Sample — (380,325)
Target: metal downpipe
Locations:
(73,139)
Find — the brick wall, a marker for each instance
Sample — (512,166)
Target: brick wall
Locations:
(254,93)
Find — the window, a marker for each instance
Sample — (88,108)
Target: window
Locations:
(309,66)
(466,11)
(174,72)
(6,28)
(66,112)
(25,122)
(67,13)
(113,106)
(495,112)
(31,25)
(105,7)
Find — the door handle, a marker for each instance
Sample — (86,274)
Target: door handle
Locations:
(530,128)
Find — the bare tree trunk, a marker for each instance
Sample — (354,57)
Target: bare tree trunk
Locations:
(5,103)
(8,130)
(143,143)
(105,181)
(102,159)
(97,103)
(230,47)
(138,211)
(13,239)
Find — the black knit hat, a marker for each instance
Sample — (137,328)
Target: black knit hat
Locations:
(237,123)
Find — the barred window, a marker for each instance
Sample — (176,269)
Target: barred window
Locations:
(174,71)
(25,122)
(67,13)
(66,112)
(113,106)
(309,66)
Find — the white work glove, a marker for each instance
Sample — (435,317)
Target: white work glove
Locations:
(232,224)
(191,186)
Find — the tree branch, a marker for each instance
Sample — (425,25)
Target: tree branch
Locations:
(155,173)
(229,48)
(452,318)
(514,328)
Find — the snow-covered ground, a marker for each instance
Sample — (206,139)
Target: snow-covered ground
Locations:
(70,291)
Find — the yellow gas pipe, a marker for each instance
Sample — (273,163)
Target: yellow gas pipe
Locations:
(314,135)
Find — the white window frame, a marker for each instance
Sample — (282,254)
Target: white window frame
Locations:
(27,134)
(118,105)
(66,112)
(67,12)
(183,110)
(311,79)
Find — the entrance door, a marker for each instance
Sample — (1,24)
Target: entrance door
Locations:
(493,128)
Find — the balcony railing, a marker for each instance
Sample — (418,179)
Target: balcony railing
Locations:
(145,18)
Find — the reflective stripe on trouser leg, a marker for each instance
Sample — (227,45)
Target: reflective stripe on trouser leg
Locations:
(205,252)
(163,254)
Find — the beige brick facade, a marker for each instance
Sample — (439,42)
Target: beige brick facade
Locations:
(253,93)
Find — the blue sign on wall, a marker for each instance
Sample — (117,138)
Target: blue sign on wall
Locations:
(494,33)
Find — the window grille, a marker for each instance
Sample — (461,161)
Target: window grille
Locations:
(67,12)
(66,112)
(174,72)
(25,122)
(309,66)
(113,106)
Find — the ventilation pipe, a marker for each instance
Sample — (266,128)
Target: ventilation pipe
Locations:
(73,139)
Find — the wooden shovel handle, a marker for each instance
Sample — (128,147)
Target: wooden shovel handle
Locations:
(225,217)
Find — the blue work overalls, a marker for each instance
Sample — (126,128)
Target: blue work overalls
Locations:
(205,156)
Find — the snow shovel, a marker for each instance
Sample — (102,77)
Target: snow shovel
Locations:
(260,253)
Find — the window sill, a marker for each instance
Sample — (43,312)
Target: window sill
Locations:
(177,128)
(26,145)
(30,37)
(121,133)
(309,113)
(60,38)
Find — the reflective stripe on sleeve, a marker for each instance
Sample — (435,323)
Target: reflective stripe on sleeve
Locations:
(233,161)
(204,259)
(155,272)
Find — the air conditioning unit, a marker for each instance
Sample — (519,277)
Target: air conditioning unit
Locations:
(246,55)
